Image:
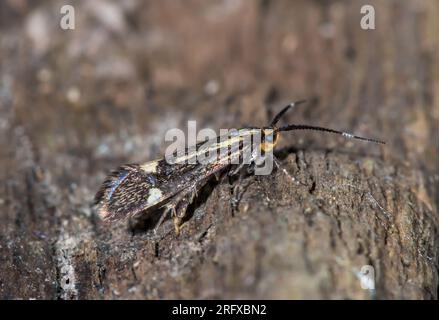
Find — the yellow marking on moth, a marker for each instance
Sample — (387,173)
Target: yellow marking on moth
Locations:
(267,146)
(150,167)
(154,195)
(218,146)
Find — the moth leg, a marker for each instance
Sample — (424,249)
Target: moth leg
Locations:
(169,208)
(180,205)
(166,211)
(180,213)
(237,169)
(232,193)
(237,189)
(218,176)
(251,168)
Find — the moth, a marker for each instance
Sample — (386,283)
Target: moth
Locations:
(133,190)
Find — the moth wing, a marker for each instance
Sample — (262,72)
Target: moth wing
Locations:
(133,189)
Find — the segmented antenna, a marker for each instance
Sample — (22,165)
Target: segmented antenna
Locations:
(344,134)
(282,112)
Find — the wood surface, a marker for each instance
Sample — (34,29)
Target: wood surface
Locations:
(75,104)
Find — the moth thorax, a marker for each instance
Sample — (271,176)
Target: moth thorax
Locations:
(269,139)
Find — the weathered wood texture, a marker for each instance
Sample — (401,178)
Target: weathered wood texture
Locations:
(75,104)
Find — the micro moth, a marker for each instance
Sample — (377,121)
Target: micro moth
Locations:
(142,189)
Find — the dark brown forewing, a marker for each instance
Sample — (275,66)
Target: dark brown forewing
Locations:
(134,188)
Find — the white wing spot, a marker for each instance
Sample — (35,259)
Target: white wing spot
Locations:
(347,135)
(154,195)
(150,167)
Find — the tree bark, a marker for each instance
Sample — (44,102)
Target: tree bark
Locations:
(74,105)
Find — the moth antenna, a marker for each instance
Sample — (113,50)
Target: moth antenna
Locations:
(344,134)
(282,112)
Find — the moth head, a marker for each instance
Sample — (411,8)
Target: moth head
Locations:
(270,137)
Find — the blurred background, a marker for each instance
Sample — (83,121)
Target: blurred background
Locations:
(75,104)
(130,70)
